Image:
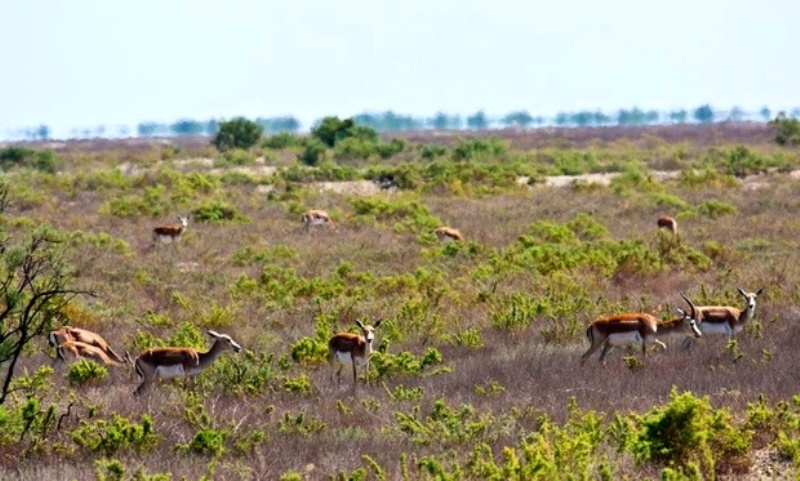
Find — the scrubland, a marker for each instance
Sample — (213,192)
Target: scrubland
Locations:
(476,373)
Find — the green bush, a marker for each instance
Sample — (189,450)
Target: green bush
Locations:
(86,371)
(217,212)
(110,437)
(280,141)
(313,152)
(23,157)
(787,129)
(237,133)
(689,431)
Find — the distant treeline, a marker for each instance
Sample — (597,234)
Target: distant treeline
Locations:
(391,121)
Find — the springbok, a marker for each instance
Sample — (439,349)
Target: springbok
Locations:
(667,222)
(353,349)
(65,334)
(448,234)
(316,217)
(71,350)
(170,233)
(724,319)
(169,362)
(637,328)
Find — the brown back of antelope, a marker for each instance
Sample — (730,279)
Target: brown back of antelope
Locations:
(667,222)
(170,233)
(316,217)
(169,362)
(626,328)
(69,333)
(71,350)
(349,348)
(448,233)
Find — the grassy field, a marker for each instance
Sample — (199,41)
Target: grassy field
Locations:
(476,373)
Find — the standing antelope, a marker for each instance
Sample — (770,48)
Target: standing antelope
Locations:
(667,222)
(354,349)
(65,334)
(448,234)
(72,350)
(169,362)
(725,319)
(637,328)
(316,217)
(170,233)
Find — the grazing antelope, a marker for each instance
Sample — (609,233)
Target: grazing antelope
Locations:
(316,217)
(169,362)
(667,222)
(354,349)
(448,234)
(725,319)
(72,350)
(65,334)
(170,233)
(637,328)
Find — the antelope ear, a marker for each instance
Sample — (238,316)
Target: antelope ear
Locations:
(758,293)
(214,334)
(359,324)
(681,311)
(377,323)
(741,291)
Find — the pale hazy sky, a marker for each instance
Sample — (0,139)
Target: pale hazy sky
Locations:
(82,63)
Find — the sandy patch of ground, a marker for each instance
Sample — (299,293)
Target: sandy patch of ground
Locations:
(358,187)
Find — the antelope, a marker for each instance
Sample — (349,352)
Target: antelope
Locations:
(667,222)
(353,349)
(170,233)
(66,334)
(448,234)
(71,350)
(724,319)
(169,362)
(316,217)
(637,328)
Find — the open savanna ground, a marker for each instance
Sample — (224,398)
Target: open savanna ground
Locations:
(476,372)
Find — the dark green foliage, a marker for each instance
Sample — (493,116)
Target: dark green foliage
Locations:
(787,129)
(280,141)
(237,133)
(217,212)
(331,130)
(313,152)
(23,157)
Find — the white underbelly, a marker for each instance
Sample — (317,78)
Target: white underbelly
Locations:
(318,221)
(166,239)
(167,372)
(624,338)
(717,328)
(346,358)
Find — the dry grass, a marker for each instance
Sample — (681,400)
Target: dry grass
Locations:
(184,282)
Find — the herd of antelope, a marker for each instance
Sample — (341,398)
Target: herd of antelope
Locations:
(354,350)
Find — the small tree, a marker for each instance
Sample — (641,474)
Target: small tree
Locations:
(332,129)
(704,114)
(33,290)
(238,133)
(787,129)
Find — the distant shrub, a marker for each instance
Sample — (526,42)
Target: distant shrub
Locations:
(787,129)
(479,149)
(23,157)
(741,162)
(217,212)
(280,141)
(238,133)
(86,371)
(331,130)
(432,151)
(313,152)
(715,209)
